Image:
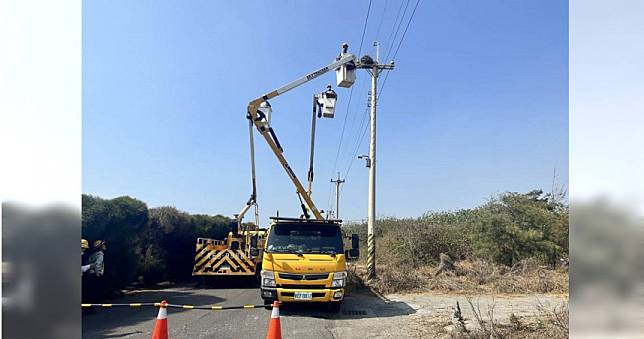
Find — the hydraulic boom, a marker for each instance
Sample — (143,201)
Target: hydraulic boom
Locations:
(259,114)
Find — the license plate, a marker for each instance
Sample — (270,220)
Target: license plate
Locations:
(303,295)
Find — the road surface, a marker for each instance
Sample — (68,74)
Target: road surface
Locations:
(361,316)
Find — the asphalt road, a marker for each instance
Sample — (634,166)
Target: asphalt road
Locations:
(363,315)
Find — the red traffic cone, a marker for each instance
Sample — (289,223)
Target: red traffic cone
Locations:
(161,326)
(274,326)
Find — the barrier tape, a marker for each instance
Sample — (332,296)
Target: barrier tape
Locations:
(189,307)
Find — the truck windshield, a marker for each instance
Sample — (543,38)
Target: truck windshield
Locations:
(305,238)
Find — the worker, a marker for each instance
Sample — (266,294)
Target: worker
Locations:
(264,115)
(84,247)
(94,282)
(97,266)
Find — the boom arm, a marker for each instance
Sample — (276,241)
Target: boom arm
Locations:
(257,119)
(345,59)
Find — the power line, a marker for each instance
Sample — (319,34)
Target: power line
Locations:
(364,28)
(344,124)
(353,130)
(357,148)
(405,32)
(361,139)
(360,127)
(364,129)
(382,17)
(397,30)
(384,82)
(395,21)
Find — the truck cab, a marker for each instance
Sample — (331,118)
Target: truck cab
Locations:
(305,261)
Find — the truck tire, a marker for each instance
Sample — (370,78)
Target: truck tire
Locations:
(334,307)
(257,278)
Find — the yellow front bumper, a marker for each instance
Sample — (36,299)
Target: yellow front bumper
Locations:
(288,295)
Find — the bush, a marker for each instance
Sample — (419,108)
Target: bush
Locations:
(419,241)
(168,243)
(392,279)
(157,243)
(512,231)
(517,226)
(118,222)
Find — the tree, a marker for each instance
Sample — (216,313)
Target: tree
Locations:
(118,222)
(168,243)
(516,226)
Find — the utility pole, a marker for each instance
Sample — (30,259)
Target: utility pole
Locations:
(337,183)
(374,68)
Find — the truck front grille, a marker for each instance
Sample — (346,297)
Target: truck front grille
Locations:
(303,287)
(293,276)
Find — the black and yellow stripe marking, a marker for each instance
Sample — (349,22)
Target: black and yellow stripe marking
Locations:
(209,261)
(185,307)
(371,257)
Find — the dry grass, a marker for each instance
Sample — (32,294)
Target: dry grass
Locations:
(472,277)
(544,323)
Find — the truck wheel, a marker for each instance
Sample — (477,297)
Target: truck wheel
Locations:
(334,307)
(256,280)
(268,304)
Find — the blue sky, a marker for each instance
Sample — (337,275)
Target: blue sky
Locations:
(477,104)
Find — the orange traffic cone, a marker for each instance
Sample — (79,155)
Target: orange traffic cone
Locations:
(274,326)
(161,326)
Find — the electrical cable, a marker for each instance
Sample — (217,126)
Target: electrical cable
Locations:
(397,30)
(344,124)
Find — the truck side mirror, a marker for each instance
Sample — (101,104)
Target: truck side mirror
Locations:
(354,252)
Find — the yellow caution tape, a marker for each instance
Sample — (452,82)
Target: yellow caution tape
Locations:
(187,307)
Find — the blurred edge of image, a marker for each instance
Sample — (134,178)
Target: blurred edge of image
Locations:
(40,171)
(606,184)
(40,271)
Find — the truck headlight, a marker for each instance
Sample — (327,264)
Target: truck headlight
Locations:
(268,278)
(339,279)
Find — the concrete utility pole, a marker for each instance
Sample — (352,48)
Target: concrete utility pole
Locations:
(337,183)
(374,68)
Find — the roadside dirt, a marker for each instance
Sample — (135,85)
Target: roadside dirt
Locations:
(434,316)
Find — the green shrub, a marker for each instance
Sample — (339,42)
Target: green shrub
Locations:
(158,244)
(517,226)
(508,229)
(169,242)
(119,222)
